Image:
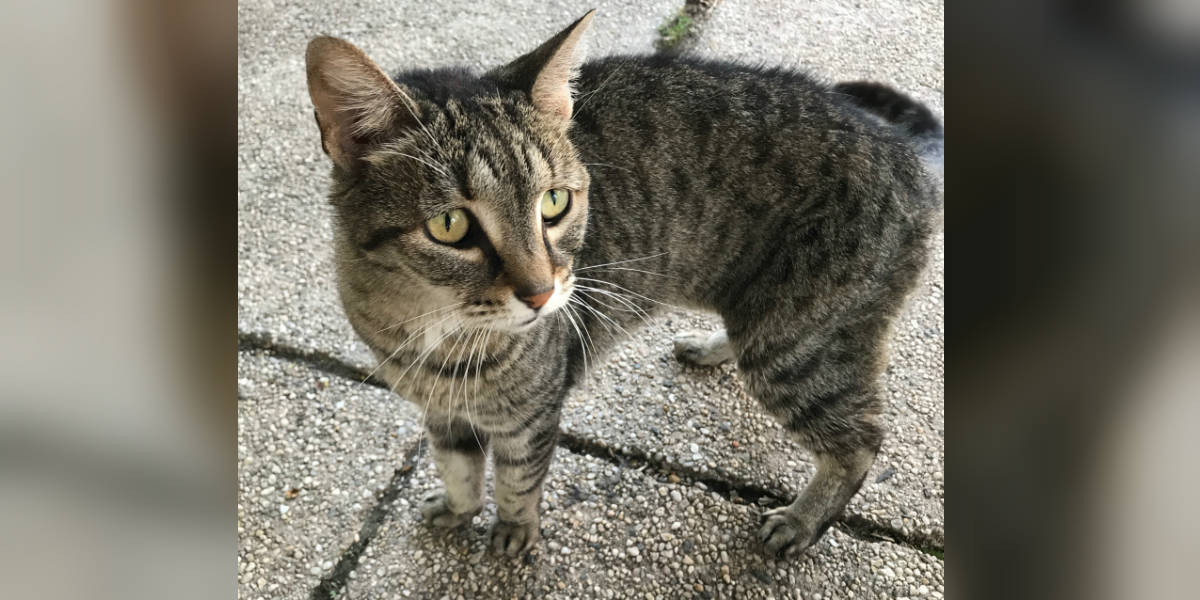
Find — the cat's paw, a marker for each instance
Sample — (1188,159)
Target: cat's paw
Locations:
(513,538)
(785,534)
(435,509)
(702,348)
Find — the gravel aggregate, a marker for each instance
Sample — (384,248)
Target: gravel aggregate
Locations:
(611,532)
(313,451)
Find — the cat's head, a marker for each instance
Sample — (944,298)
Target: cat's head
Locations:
(454,190)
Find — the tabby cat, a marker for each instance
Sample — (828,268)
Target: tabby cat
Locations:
(475,212)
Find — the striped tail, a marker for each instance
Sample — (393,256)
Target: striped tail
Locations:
(906,114)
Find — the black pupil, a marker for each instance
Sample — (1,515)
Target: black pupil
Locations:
(554,198)
(447,221)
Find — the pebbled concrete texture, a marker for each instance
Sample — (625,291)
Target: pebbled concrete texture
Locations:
(300,419)
(611,532)
(313,452)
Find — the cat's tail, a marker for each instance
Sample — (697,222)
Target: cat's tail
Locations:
(912,118)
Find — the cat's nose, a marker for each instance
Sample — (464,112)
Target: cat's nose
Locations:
(536,301)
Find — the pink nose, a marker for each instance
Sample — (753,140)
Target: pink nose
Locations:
(536,301)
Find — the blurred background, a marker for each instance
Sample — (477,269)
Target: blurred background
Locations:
(1073,186)
(117,301)
(1073,211)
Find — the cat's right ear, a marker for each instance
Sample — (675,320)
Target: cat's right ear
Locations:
(357,104)
(546,73)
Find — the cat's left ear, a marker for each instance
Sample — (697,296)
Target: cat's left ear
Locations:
(357,105)
(545,74)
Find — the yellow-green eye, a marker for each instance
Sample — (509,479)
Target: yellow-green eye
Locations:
(450,227)
(555,203)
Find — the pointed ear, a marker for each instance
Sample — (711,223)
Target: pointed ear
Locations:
(546,72)
(357,104)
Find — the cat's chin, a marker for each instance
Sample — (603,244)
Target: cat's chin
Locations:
(514,326)
(524,326)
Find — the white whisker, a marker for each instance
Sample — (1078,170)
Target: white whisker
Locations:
(421,358)
(606,319)
(582,99)
(412,107)
(487,335)
(419,331)
(642,296)
(629,304)
(636,271)
(438,378)
(621,262)
(436,310)
(436,167)
(568,313)
(600,300)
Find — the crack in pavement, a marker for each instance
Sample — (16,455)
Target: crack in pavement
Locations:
(321,361)
(332,584)
(741,491)
(732,489)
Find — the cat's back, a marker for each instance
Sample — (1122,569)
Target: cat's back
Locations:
(777,125)
(709,96)
(682,85)
(733,163)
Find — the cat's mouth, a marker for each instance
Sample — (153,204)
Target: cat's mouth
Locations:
(516,316)
(523,322)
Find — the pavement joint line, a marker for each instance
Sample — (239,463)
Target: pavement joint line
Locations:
(321,361)
(732,489)
(332,584)
(740,491)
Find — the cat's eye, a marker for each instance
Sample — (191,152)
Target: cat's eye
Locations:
(449,227)
(555,203)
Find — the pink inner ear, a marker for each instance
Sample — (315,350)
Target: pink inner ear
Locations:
(555,100)
(552,89)
(356,102)
(335,124)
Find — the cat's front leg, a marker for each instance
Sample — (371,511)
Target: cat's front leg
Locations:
(522,460)
(459,453)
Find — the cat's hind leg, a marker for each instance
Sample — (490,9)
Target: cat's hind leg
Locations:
(823,392)
(703,348)
(790,529)
(459,454)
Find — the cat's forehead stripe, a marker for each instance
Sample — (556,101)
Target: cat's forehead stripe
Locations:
(497,131)
(482,173)
(491,168)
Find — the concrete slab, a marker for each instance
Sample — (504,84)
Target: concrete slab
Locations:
(617,533)
(313,450)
